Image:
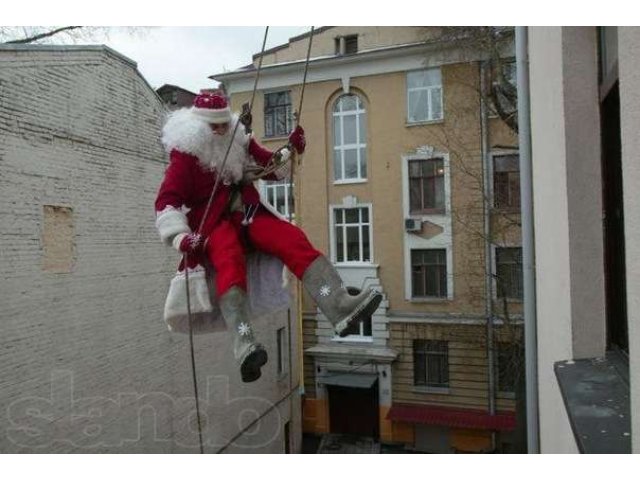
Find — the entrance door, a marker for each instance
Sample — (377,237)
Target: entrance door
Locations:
(354,411)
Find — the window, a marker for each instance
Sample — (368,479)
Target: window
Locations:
(346,45)
(426,186)
(507,365)
(281,196)
(429,273)
(509,273)
(506,182)
(349,139)
(352,235)
(282,343)
(424,95)
(277,114)
(431,363)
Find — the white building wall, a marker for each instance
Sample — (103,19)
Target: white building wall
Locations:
(86,363)
(628,47)
(553,270)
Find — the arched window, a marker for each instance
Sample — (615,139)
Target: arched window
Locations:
(349,139)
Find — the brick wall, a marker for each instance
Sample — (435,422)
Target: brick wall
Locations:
(86,363)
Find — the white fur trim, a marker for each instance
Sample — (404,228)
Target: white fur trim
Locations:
(177,240)
(222,115)
(171,222)
(189,133)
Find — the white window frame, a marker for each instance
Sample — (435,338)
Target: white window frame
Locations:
(351,146)
(429,89)
(269,189)
(333,239)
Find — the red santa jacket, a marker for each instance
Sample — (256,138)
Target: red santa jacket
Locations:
(190,177)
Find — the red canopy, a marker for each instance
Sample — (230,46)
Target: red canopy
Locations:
(452,417)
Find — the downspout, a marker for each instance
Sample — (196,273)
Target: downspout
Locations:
(528,245)
(488,282)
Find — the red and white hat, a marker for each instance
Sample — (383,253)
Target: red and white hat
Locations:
(212,108)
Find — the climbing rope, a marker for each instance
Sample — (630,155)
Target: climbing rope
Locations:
(198,232)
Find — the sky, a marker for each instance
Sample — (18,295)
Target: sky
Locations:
(187,56)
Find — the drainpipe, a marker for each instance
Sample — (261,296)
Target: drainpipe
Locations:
(488,283)
(528,246)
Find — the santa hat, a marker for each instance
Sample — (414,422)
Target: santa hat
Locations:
(212,108)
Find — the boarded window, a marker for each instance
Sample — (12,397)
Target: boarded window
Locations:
(57,239)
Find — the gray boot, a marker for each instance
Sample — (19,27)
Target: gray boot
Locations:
(249,354)
(341,308)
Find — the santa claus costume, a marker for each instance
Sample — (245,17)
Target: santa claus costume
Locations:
(237,221)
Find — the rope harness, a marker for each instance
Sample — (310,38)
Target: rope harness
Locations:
(273,165)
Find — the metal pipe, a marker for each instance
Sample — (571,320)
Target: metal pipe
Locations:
(488,283)
(528,245)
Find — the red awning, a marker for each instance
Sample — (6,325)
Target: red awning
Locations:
(452,417)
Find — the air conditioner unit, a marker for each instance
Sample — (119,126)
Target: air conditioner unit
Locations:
(412,225)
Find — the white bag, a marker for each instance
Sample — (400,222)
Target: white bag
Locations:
(205,314)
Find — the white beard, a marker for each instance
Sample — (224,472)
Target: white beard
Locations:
(188,133)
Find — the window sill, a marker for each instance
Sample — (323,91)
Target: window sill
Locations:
(429,213)
(596,395)
(432,390)
(430,299)
(350,181)
(423,123)
(352,339)
(356,264)
(506,395)
(275,138)
(510,301)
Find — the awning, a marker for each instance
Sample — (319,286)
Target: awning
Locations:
(452,417)
(354,380)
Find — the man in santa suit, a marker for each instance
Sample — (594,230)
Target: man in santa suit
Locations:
(197,140)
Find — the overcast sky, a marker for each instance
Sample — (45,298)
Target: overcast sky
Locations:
(186,56)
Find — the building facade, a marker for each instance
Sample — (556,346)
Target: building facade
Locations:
(584,85)
(410,186)
(87,364)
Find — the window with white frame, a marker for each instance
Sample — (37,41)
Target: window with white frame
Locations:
(509,273)
(352,235)
(277,114)
(431,363)
(426,186)
(280,195)
(349,139)
(429,273)
(424,95)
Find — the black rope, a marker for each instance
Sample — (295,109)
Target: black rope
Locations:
(193,356)
(256,420)
(186,264)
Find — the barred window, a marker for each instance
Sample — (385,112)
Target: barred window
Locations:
(431,363)
(509,273)
(507,366)
(429,273)
(506,182)
(277,114)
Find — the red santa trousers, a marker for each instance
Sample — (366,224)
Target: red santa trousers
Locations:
(266,233)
